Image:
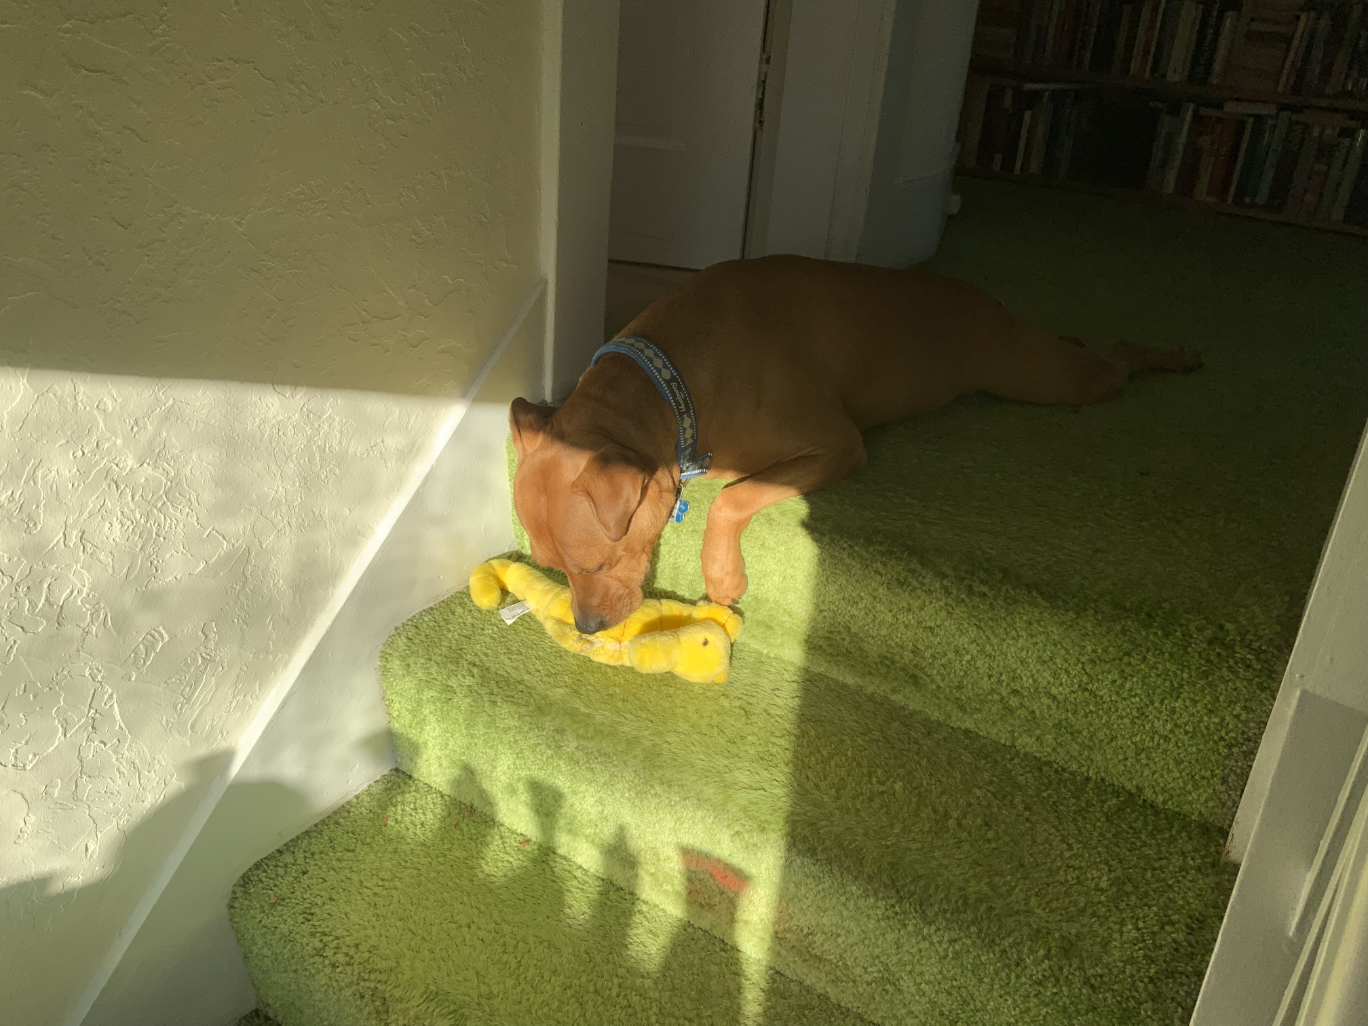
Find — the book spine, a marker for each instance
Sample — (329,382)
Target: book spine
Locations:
(1164,38)
(1207,37)
(1023,135)
(1153,41)
(1311,73)
(1047,119)
(1124,35)
(1356,81)
(1275,148)
(1334,85)
(1025,33)
(1251,170)
(1353,165)
(1163,139)
(1289,68)
(1168,41)
(1206,157)
(1181,54)
(1047,37)
(1061,136)
(1237,43)
(1229,21)
(971,124)
(1178,148)
(1067,41)
(1357,210)
(1241,153)
(1288,161)
(1320,172)
(1144,30)
(1222,139)
(1330,190)
(1083,59)
(1305,164)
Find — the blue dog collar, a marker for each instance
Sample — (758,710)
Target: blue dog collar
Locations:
(665,376)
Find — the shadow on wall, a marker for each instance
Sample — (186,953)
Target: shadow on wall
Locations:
(66,927)
(185,951)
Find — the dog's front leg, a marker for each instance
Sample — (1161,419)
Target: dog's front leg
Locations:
(724,571)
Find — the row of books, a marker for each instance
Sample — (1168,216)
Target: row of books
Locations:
(1305,164)
(1310,164)
(1317,48)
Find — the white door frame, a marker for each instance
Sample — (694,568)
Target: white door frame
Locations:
(579,96)
(1330,657)
(1292,827)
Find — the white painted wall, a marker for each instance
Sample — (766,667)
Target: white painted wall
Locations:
(330,737)
(250,253)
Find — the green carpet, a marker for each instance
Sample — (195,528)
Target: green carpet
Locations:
(405,908)
(910,869)
(996,699)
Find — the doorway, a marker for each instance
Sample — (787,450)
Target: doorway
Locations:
(688,81)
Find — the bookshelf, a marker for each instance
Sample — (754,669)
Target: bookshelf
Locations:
(1255,108)
(1187,90)
(1177,201)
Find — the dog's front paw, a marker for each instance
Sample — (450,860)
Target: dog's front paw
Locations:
(726,589)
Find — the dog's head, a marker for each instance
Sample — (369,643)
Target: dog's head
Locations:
(593,514)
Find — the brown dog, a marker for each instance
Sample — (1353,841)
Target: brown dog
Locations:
(788,360)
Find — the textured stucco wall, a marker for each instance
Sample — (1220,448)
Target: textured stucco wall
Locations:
(326,184)
(217,221)
(330,737)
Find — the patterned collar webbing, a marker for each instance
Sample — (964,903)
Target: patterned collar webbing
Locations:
(670,385)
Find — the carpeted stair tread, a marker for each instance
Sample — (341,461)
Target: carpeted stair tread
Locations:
(404,909)
(910,870)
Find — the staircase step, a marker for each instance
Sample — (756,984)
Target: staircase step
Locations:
(405,909)
(913,871)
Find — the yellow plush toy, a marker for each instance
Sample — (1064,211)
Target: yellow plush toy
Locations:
(664,635)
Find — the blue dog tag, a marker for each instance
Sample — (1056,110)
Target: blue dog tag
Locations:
(681,507)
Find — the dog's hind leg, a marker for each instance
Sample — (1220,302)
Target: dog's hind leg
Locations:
(1024,363)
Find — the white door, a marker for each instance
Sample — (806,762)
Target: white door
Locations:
(686,95)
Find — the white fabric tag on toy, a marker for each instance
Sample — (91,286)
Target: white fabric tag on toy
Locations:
(511,613)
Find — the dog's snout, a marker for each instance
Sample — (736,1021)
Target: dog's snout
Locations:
(587,624)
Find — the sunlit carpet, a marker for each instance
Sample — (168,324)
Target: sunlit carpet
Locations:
(985,732)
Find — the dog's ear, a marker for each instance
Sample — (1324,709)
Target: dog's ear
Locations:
(615,490)
(527,421)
